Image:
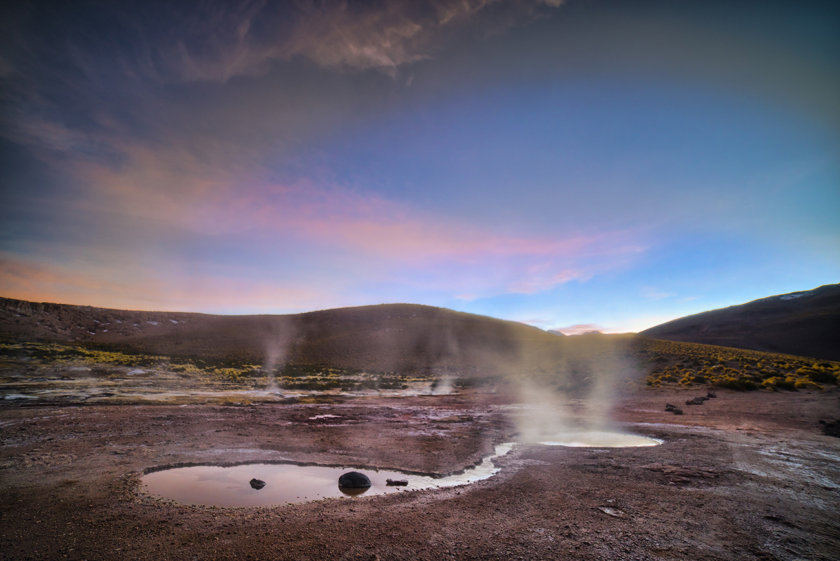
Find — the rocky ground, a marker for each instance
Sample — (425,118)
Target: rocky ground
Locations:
(742,476)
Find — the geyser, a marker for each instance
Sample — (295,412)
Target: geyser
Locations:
(571,404)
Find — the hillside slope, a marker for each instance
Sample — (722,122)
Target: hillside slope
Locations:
(384,337)
(799,323)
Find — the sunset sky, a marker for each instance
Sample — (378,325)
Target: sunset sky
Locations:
(609,165)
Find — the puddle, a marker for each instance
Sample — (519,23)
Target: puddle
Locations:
(290,483)
(600,439)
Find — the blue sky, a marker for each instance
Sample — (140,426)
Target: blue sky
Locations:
(609,165)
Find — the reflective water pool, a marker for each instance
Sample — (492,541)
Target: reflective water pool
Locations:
(600,439)
(229,486)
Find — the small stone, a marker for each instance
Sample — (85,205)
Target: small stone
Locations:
(257,484)
(614,512)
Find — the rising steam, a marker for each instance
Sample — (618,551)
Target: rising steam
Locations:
(576,398)
(565,387)
(276,354)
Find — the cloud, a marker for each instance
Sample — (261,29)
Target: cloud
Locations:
(27,280)
(542,323)
(188,193)
(387,36)
(170,210)
(547,278)
(139,287)
(580,329)
(245,40)
(653,293)
(179,42)
(155,183)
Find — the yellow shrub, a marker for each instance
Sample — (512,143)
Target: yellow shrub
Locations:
(805,384)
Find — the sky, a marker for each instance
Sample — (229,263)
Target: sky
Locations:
(573,165)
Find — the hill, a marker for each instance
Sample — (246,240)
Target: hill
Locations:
(385,337)
(799,323)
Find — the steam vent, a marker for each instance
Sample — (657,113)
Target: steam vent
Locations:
(354,480)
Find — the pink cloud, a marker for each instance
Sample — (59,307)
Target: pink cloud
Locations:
(177,186)
(26,279)
(580,329)
(376,240)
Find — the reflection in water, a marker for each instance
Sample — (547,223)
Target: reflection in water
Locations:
(288,483)
(353,491)
(600,439)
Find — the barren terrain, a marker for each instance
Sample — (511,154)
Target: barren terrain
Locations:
(93,399)
(743,476)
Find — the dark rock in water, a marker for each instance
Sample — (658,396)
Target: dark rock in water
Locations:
(677,411)
(396,482)
(670,407)
(831,428)
(354,480)
(696,401)
(257,484)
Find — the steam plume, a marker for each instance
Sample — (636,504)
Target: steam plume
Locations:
(276,354)
(578,395)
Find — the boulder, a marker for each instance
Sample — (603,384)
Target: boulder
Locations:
(257,484)
(354,480)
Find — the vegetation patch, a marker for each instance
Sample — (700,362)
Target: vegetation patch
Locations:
(663,363)
(54,353)
(318,377)
(691,364)
(42,361)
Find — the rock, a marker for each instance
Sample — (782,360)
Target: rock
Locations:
(696,401)
(257,484)
(354,480)
(831,428)
(670,407)
(710,394)
(396,482)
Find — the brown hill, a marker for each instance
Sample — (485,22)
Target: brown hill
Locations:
(799,323)
(385,337)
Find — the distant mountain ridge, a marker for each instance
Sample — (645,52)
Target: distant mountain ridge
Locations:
(805,323)
(383,337)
